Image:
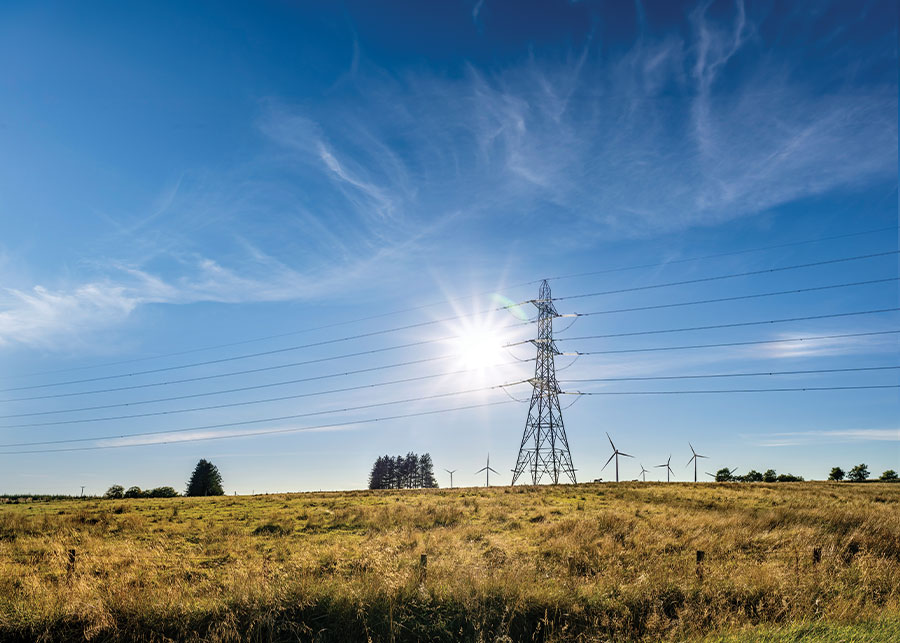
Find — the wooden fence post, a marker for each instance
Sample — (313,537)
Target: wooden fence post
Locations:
(423,567)
(70,565)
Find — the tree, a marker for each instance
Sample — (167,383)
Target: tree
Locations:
(789,477)
(837,474)
(134,492)
(115,492)
(889,476)
(402,472)
(162,492)
(724,475)
(205,481)
(426,473)
(859,473)
(770,476)
(752,476)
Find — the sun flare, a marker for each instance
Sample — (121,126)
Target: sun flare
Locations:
(479,348)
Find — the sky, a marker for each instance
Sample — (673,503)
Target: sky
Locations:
(313,201)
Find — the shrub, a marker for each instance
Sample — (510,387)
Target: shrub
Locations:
(889,476)
(115,492)
(770,476)
(788,477)
(134,492)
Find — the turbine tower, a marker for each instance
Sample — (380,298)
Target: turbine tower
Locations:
(667,464)
(487,472)
(694,460)
(616,454)
(451,476)
(544,449)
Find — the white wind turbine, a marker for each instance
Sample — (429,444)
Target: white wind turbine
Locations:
(694,460)
(616,454)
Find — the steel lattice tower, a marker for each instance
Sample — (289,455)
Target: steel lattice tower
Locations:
(544,448)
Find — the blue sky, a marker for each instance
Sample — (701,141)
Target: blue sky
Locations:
(174,178)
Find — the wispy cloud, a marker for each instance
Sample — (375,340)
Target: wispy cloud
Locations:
(800,438)
(188,436)
(660,137)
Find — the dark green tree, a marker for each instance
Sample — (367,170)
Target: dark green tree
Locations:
(859,473)
(426,473)
(889,476)
(162,492)
(205,481)
(752,476)
(837,474)
(770,476)
(724,475)
(115,492)
(134,492)
(789,477)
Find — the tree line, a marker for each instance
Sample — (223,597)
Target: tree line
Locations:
(860,473)
(205,481)
(403,472)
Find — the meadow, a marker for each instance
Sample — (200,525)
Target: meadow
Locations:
(592,562)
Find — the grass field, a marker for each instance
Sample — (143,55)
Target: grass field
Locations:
(594,562)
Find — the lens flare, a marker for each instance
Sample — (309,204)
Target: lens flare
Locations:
(505,302)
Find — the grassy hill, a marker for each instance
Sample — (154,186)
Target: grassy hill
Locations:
(593,562)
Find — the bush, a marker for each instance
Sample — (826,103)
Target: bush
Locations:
(889,476)
(788,477)
(770,476)
(752,476)
(859,473)
(115,492)
(134,492)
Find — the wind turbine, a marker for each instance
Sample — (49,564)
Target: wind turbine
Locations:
(694,460)
(666,464)
(616,454)
(644,473)
(451,476)
(487,472)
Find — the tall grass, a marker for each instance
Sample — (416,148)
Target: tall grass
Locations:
(583,563)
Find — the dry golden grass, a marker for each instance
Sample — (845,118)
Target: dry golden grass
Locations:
(592,562)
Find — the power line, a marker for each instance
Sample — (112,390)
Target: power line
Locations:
(265,432)
(431,322)
(728,276)
(745,390)
(222,406)
(255,370)
(282,366)
(737,297)
(731,325)
(729,344)
(454,299)
(718,375)
(715,256)
(271,352)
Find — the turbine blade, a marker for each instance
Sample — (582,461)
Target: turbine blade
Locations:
(610,442)
(626,455)
(689,462)
(692,448)
(493,471)
(701,456)
(608,461)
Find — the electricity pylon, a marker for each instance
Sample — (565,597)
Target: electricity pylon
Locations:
(544,448)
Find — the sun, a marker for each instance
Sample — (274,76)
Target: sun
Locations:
(479,348)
